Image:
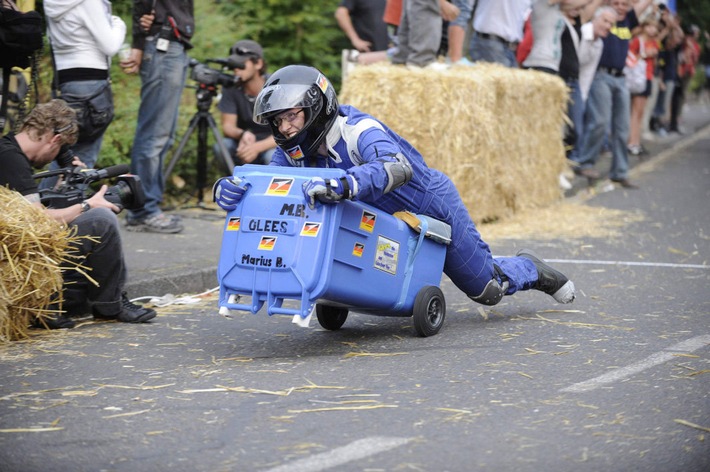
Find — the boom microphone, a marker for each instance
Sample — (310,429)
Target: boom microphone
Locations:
(106,173)
(114,171)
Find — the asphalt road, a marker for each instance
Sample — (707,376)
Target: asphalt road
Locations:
(617,381)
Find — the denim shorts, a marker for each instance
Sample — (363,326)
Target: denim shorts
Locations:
(466,10)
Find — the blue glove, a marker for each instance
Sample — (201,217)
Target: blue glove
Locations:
(227,192)
(329,190)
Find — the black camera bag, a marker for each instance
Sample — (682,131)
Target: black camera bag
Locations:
(93,113)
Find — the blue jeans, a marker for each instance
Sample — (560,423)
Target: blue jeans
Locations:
(86,150)
(575,112)
(608,103)
(491,50)
(162,80)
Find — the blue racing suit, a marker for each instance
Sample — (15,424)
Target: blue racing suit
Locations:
(360,145)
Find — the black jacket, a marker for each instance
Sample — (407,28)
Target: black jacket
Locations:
(182,11)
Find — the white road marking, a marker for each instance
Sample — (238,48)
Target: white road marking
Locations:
(653,360)
(342,455)
(630,263)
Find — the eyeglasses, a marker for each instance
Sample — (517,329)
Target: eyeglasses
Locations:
(288,117)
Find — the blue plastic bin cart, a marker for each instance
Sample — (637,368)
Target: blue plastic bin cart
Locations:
(331,259)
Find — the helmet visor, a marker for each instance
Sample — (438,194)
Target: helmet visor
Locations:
(279,97)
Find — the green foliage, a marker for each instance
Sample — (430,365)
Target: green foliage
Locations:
(303,32)
(694,12)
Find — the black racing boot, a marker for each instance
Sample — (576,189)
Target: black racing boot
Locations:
(549,280)
(132,313)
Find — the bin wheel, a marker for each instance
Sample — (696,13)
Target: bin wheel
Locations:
(331,317)
(429,311)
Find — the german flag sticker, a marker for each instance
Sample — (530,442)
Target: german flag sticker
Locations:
(322,83)
(279,186)
(295,153)
(367,222)
(310,229)
(234,223)
(267,243)
(357,250)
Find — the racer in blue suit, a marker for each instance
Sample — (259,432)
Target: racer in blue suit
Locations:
(385,171)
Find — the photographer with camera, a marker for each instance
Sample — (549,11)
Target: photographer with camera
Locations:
(162,30)
(246,141)
(47,128)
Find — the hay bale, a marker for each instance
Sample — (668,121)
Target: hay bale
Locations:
(32,248)
(496,131)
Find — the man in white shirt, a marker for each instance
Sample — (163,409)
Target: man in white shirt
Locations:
(497,30)
(591,45)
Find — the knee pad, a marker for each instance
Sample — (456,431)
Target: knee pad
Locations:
(492,293)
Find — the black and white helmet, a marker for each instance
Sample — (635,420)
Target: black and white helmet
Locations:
(298,86)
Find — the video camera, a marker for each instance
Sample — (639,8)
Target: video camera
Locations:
(74,188)
(208,76)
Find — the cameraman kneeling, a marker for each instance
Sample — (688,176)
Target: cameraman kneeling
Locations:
(46,129)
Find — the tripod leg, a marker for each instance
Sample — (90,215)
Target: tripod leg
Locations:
(183,142)
(227,160)
(201,157)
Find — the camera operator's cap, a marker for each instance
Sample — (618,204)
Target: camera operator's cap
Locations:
(245,49)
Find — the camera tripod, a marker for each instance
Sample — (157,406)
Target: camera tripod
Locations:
(202,120)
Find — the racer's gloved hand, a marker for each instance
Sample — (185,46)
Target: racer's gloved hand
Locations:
(227,193)
(329,190)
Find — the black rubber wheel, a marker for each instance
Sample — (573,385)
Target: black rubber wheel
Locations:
(331,317)
(429,311)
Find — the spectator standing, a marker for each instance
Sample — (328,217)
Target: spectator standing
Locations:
(363,23)
(161,36)
(457,31)
(591,46)
(47,128)
(246,141)
(645,46)
(497,30)
(608,102)
(668,71)
(687,61)
(419,32)
(84,35)
(556,29)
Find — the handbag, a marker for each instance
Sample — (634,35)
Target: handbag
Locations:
(635,71)
(20,35)
(93,113)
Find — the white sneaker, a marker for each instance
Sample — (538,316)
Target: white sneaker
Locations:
(564,182)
